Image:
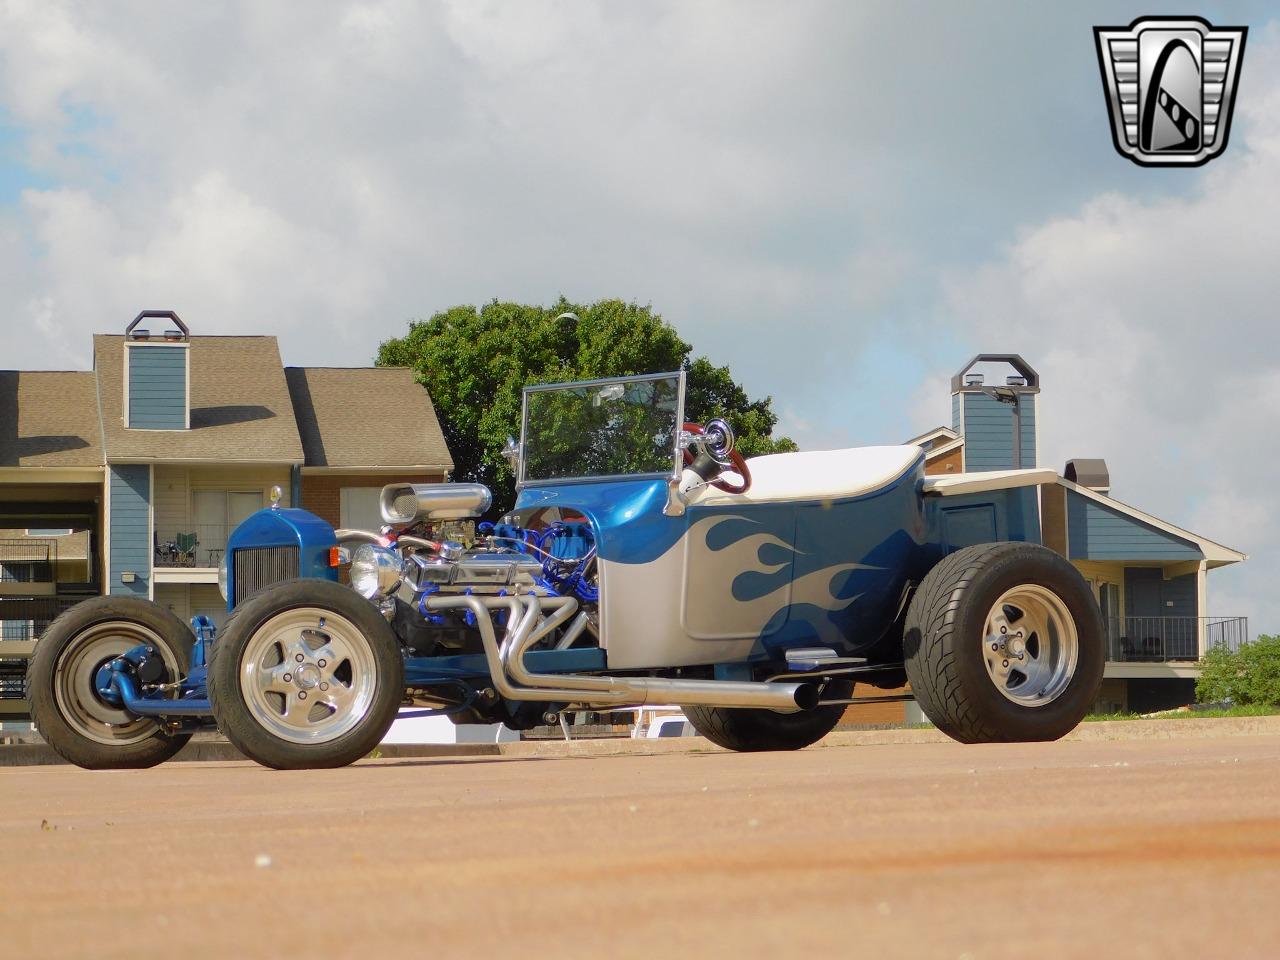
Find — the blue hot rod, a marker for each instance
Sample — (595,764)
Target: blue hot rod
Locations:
(645,561)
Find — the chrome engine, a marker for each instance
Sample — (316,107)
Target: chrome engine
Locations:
(407,503)
(412,559)
(475,569)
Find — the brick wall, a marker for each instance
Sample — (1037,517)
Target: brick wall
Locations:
(321,492)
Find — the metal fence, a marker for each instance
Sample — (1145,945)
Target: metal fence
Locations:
(24,620)
(13,678)
(28,560)
(1162,639)
(194,545)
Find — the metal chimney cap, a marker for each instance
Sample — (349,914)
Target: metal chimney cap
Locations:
(1025,369)
(1092,474)
(184,333)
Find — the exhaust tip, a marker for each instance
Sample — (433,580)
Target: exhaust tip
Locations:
(806,696)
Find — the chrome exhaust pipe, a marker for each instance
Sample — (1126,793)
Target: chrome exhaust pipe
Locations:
(515,682)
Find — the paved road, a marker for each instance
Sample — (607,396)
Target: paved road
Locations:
(1169,848)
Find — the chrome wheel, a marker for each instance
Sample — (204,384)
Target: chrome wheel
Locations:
(308,675)
(1030,645)
(75,682)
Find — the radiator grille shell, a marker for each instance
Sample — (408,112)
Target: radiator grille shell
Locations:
(258,567)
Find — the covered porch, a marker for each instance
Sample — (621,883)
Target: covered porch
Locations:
(1149,578)
(197,506)
(1156,613)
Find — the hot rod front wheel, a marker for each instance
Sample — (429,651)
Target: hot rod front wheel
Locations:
(1004,642)
(306,674)
(83,723)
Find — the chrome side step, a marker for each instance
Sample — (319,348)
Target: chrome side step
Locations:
(803,659)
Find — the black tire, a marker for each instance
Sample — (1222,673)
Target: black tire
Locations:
(242,710)
(71,717)
(944,644)
(754,730)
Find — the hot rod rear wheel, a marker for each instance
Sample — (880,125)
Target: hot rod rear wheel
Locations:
(1004,642)
(306,674)
(73,717)
(754,730)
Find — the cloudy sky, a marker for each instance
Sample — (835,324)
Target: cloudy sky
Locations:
(843,201)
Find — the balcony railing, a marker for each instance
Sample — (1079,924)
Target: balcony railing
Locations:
(1163,639)
(28,561)
(24,620)
(195,545)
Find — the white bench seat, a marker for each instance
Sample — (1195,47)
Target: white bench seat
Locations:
(817,475)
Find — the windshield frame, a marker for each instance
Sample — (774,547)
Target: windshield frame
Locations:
(677,459)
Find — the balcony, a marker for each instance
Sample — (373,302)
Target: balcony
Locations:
(1171,639)
(197,546)
(28,566)
(22,621)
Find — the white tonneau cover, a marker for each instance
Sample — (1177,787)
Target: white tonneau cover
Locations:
(817,475)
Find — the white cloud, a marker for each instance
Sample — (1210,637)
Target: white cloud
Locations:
(359,164)
(1153,324)
(747,168)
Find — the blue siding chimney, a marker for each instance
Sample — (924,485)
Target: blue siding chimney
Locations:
(130,528)
(157,394)
(997,419)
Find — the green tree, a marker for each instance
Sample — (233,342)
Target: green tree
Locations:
(474,364)
(1248,676)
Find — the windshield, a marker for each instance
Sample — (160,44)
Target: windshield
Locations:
(603,428)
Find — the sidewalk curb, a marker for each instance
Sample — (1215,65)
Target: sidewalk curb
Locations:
(207,750)
(38,754)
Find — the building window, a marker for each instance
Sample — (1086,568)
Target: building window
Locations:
(359,508)
(20,630)
(18,571)
(1109,600)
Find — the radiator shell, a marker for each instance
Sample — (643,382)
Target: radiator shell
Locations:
(278,543)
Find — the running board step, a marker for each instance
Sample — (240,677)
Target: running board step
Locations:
(804,659)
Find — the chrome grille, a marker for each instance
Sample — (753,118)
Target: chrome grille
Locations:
(258,567)
(406,505)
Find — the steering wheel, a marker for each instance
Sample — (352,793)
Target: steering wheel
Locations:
(736,463)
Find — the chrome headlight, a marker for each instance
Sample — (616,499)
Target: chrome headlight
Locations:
(375,571)
(222,576)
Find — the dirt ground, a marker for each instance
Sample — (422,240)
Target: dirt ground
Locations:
(1162,848)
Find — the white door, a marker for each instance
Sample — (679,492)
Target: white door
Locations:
(209,509)
(217,513)
(241,506)
(359,508)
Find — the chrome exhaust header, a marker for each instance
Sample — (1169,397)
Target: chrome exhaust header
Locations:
(526,626)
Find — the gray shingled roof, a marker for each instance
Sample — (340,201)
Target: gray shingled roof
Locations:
(49,419)
(366,417)
(240,406)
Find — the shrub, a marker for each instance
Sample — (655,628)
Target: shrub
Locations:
(1248,676)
